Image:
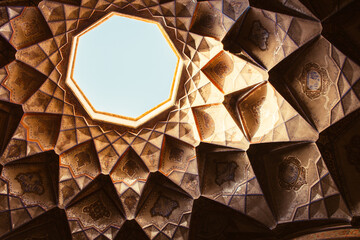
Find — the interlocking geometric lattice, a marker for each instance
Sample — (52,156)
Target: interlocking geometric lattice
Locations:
(162,72)
(263,142)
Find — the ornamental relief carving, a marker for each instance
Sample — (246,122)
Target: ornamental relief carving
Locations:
(30,182)
(225,172)
(163,206)
(291,174)
(97,210)
(259,35)
(314,80)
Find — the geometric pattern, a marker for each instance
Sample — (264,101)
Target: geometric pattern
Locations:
(261,143)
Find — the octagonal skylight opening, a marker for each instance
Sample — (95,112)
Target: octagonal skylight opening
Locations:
(124,70)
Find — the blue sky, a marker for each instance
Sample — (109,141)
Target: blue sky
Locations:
(125,66)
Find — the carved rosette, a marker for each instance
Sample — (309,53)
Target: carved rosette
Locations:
(314,80)
(97,210)
(291,174)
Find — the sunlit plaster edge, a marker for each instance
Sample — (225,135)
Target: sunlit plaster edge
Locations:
(115,118)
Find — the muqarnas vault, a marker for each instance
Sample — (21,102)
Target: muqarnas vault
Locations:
(262,141)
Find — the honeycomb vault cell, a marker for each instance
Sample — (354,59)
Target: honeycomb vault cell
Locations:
(124,70)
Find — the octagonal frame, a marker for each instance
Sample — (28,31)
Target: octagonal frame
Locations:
(117,118)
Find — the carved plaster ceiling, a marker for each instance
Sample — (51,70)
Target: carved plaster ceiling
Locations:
(262,143)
